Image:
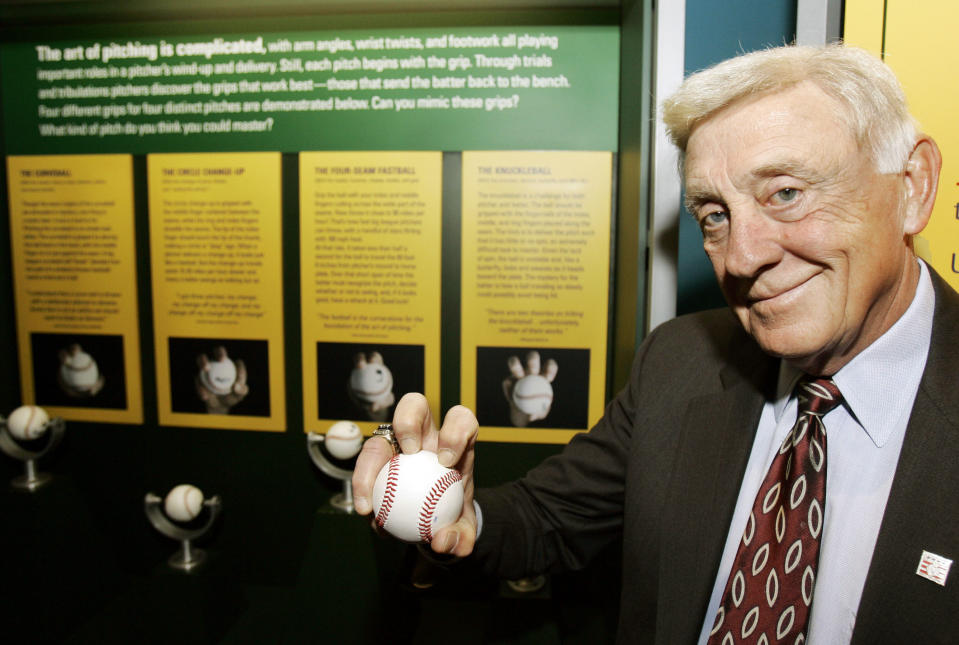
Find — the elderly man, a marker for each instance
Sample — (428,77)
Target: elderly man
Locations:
(740,522)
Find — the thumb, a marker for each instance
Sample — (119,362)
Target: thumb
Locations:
(458,538)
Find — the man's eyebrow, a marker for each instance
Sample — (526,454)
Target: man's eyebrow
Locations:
(796,169)
(696,198)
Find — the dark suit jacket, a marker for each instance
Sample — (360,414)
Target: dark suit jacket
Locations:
(662,470)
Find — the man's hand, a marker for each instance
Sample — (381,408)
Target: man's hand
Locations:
(454,443)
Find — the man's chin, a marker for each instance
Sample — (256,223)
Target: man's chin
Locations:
(799,355)
(784,341)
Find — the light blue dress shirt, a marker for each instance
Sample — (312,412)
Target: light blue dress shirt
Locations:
(863,440)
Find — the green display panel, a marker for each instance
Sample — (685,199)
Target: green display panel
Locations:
(477,88)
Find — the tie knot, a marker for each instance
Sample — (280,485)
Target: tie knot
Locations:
(817,396)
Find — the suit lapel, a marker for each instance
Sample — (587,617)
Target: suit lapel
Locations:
(897,605)
(718,432)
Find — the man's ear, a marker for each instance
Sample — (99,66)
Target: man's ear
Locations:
(921,178)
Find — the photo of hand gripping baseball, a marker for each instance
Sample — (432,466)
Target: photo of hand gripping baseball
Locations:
(221,382)
(79,374)
(414,430)
(371,385)
(529,389)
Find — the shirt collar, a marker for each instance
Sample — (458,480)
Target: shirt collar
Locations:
(879,384)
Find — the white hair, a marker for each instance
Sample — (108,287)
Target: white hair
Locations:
(874,105)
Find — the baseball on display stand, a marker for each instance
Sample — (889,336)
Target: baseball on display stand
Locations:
(414,496)
(183,503)
(344,439)
(27,422)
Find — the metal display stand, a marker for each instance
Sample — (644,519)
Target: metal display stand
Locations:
(31,480)
(188,557)
(341,501)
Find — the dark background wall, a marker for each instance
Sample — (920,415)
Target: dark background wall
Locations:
(82,565)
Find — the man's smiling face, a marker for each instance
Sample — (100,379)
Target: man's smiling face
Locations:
(807,240)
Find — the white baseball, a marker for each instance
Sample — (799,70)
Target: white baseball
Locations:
(372,382)
(183,503)
(414,496)
(533,395)
(219,376)
(27,422)
(344,439)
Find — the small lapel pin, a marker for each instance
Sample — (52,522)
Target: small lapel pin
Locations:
(934,567)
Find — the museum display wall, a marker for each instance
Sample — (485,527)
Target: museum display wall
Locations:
(228,235)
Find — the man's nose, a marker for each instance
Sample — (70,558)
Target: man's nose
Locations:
(753,243)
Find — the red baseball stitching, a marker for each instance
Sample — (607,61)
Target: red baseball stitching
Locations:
(26,430)
(432,499)
(389,492)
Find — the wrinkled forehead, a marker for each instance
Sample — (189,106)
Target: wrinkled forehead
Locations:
(807,94)
(789,130)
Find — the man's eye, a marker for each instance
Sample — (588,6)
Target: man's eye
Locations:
(713,218)
(786,195)
(713,222)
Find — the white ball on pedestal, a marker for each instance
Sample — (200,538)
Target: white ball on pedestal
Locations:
(27,422)
(183,503)
(344,440)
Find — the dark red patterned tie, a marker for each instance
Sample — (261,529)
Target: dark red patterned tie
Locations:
(770,587)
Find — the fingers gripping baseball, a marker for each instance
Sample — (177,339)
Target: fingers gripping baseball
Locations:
(455,441)
(458,538)
(528,388)
(373,456)
(415,429)
(412,426)
(456,444)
